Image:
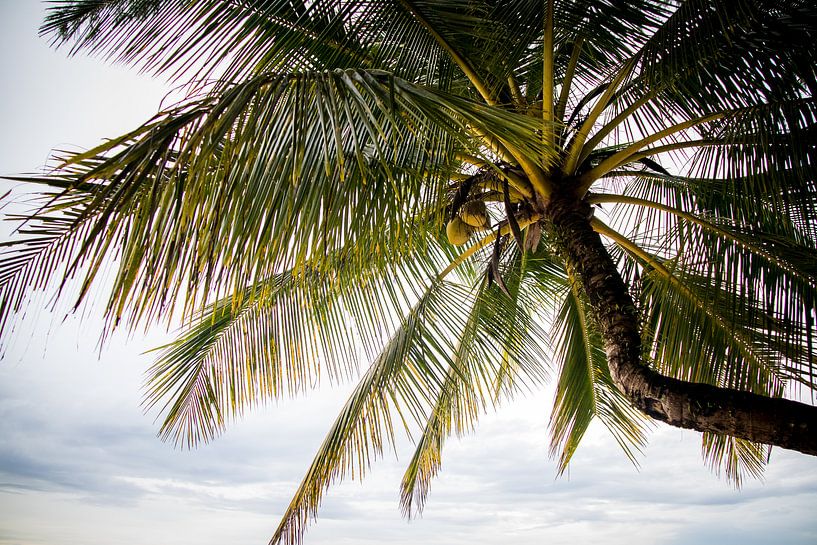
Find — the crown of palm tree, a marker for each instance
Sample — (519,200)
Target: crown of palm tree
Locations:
(422,185)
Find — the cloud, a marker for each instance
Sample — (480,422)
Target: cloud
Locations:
(77,442)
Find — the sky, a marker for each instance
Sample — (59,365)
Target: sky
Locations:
(80,462)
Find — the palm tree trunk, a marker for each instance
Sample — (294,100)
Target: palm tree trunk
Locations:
(697,406)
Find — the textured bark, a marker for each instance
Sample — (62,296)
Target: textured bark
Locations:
(683,404)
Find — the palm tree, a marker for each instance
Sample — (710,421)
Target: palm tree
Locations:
(465,195)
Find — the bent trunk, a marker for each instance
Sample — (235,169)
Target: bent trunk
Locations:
(683,404)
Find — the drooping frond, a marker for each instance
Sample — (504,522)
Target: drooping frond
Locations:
(405,379)
(46,244)
(700,327)
(700,333)
(735,458)
(230,40)
(761,265)
(499,351)
(584,389)
(242,351)
(297,164)
(279,337)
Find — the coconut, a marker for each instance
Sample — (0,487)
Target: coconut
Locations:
(458,232)
(474,214)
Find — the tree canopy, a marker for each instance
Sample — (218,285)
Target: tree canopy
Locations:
(451,202)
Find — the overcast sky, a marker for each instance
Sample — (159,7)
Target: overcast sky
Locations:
(80,464)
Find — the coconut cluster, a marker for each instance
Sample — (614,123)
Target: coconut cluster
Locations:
(472,215)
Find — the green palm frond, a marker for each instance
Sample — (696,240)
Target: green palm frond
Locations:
(242,351)
(760,264)
(230,40)
(735,69)
(735,458)
(180,195)
(279,337)
(46,244)
(700,328)
(584,389)
(456,410)
(703,334)
(512,320)
(599,36)
(723,55)
(404,379)
(500,350)
(710,56)
(768,157)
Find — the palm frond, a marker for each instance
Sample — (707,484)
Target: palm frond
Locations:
(584,389)
(405,378)
(46,244)
(282,336)
(699,329)
(499,351)
(768,157)
(609,35)
(703,333)
(735,458)
(229,40)
(270,342)
(456,410)
(335,154)
(743,59)
(725,55)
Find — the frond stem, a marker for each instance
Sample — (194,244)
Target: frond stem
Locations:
(516,93)
(623,156)
(567,81)
(609,127)
(461,61)
(572,159)
(692,218)
(547,78)
(669,147)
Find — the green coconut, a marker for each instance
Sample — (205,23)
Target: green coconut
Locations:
(458,231)
(474,213)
